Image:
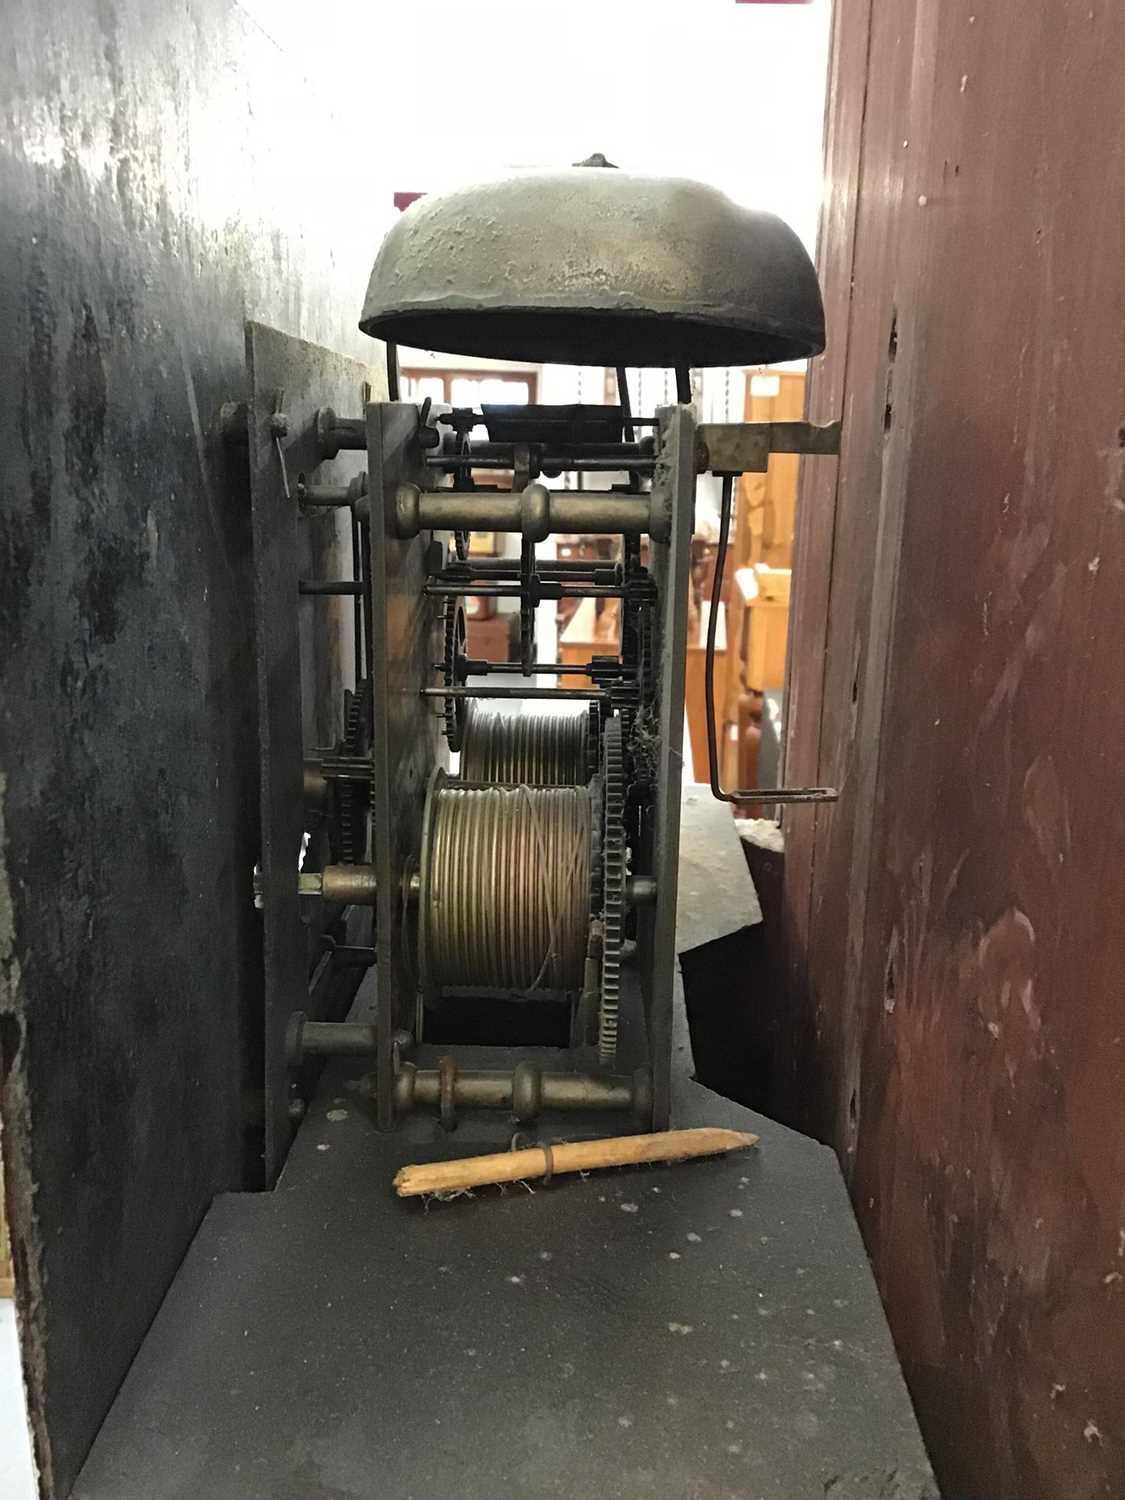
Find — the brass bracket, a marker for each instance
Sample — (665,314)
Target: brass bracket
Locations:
(745,447)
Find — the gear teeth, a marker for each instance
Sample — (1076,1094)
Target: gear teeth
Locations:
(613,890)
(455,636)
(648,676)
(352,798)
(593,741)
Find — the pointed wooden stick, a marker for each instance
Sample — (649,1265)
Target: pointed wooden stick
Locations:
(568,1156)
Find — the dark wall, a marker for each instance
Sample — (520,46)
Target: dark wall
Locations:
(955,1021)
(164,174)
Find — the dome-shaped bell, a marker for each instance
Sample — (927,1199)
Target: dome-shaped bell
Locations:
(596,268)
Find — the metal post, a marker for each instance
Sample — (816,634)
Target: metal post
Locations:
(566,695)
(536,512)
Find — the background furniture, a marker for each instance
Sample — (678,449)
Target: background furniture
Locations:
(756,596)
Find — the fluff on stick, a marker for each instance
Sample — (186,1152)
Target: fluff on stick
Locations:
(442,1177)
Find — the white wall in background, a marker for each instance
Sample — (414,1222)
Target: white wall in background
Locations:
(17,1467)
(729,94)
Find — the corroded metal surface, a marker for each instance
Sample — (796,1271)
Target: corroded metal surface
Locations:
(143,215)
(304,661)
(595,267)
(406,632)
(669,563)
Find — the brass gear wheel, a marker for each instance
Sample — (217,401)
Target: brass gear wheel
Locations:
(613,888)
(352,798)
(453,671)
(647,673)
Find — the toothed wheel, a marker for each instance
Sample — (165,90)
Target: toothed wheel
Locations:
(647,657)
(454,671)
(353,796)
(593,741)
(527,608)
(613,889)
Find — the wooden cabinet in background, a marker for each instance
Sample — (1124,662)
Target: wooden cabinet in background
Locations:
(695,705)
(755,593)
(765,629)
(489,639)
(593,629)
(767,503)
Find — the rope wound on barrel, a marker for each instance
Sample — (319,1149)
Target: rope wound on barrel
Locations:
(539,749)
(506,901)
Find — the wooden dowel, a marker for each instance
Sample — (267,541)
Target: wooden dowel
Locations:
(567,1156)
